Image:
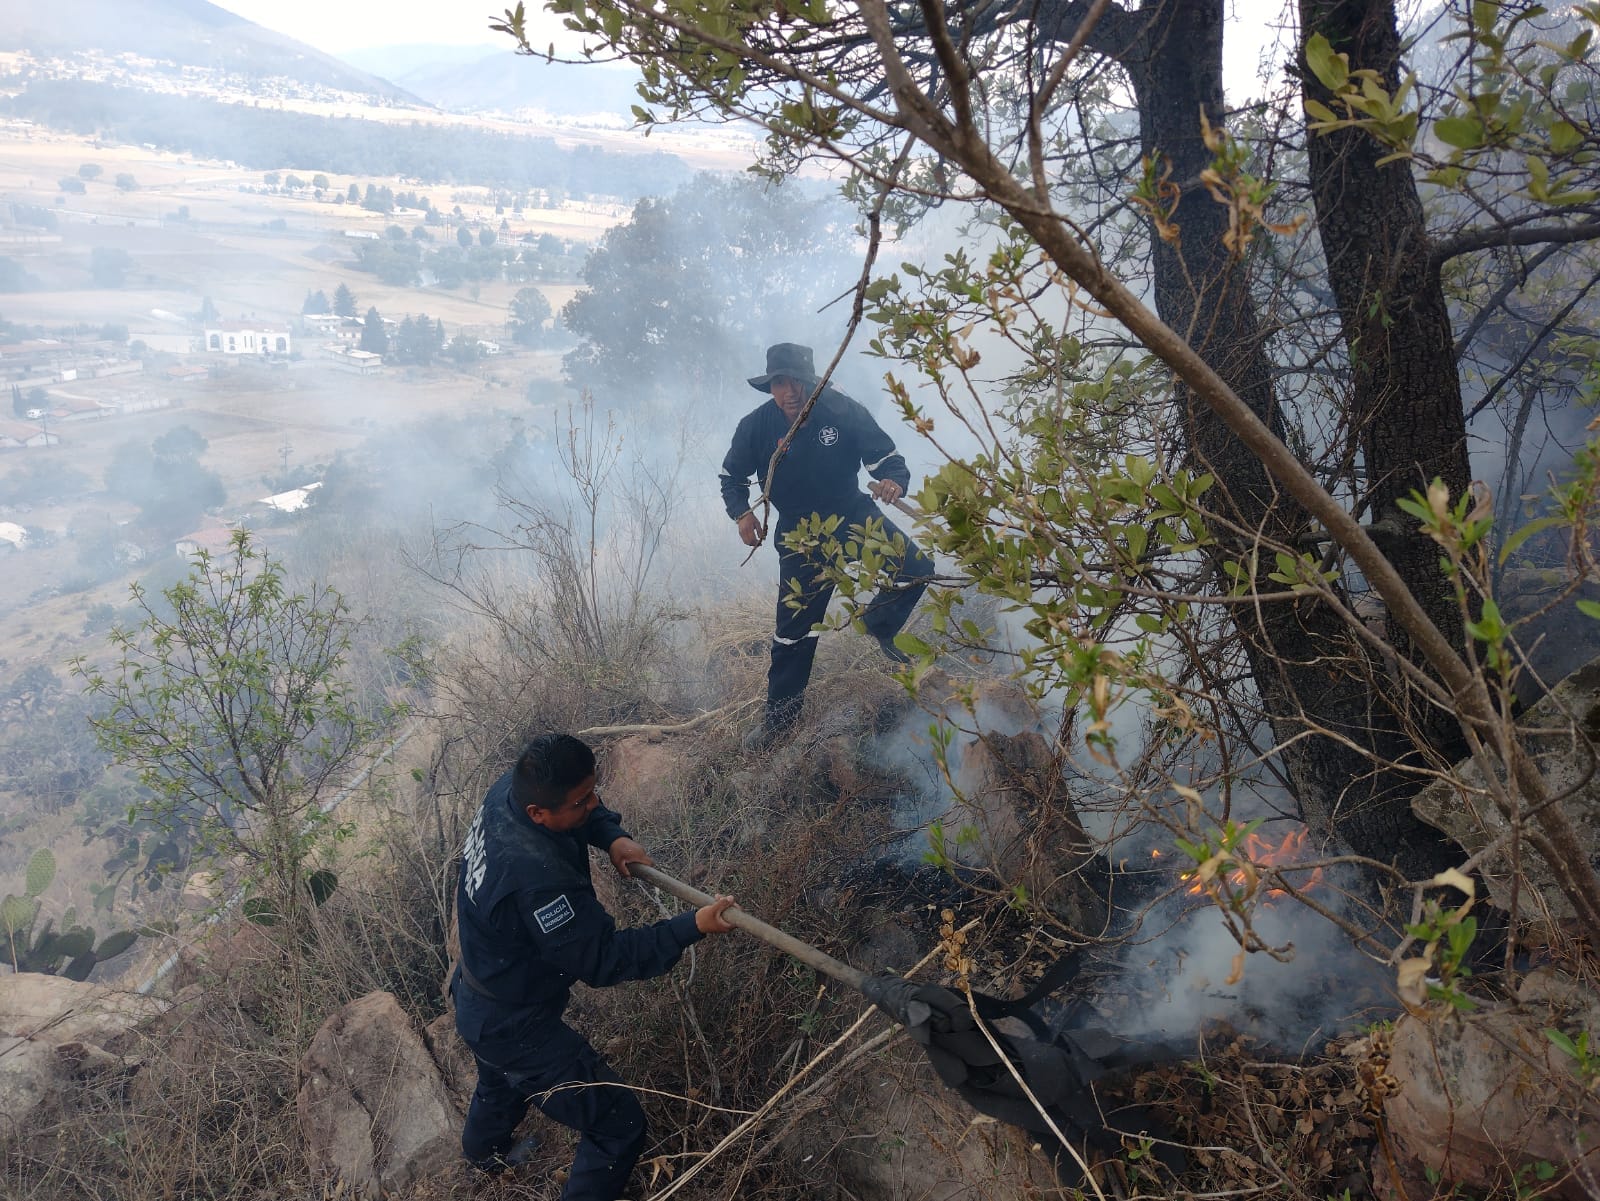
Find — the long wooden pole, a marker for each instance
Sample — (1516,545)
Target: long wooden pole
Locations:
(787,943)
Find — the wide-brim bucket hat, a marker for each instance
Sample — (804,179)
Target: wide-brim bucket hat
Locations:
(789,359)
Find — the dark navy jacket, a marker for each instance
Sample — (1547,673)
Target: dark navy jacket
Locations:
(529,920)
(820,473)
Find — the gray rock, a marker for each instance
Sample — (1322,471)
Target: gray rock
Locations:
(1485,1094)
(374,1107)
(1560,733)
(54,1030)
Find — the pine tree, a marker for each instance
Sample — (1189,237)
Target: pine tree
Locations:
(373,336)
(405,338)
(344,300)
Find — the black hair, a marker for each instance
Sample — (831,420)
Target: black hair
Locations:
(549,767)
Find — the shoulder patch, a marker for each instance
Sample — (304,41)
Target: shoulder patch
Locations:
(554,915)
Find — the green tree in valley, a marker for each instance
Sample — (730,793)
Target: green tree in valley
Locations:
(683,288)
(374,337)
(315,303)
(229,701)
(463,351)
(166,480)
(90,171)
(344,300)
(529,312)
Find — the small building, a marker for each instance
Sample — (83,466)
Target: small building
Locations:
(184,373)
(78,408)
(358,362)
(18,435)
(13,535)
(246,337)
(167,342)
(291,501)
(488,347)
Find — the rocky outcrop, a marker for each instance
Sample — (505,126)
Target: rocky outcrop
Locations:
(374,1107)
(915,1138)
(1562,733)
(54,1031)
(640,774)
(1486,1097)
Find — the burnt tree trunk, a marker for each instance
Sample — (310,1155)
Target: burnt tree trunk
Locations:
(1309,669)
(1406,411)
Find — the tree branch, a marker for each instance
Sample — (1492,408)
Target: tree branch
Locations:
(1530,235)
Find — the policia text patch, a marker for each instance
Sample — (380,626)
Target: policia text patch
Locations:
(554,915)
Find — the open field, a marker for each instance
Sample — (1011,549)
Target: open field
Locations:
(225,253)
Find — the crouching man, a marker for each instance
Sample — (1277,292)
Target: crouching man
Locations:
(530,925)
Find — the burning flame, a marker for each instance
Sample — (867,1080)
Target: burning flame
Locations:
(1256,854)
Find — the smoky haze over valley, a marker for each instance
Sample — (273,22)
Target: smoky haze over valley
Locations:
(438,326)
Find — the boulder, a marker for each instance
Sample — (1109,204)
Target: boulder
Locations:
(373,1106)
(1486,1095)
(640,777)
(912,1137)
(54,1030)
(1564,747)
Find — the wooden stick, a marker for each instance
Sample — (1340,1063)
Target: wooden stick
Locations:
(787,943)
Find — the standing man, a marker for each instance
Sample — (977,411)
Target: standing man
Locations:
(530,925)
(818,474)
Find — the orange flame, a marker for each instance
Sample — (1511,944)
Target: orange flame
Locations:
(1259,854)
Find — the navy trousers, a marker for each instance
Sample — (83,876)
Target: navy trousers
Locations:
(794,642)
(549,1065)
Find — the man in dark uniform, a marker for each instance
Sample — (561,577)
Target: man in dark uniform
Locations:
(530,925)
(818,474)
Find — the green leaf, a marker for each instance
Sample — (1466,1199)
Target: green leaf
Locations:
(41,870)
(1332,70)
(75,942)
(1565,137)
(321,884)
(1526,532)
(16,915)
(1563,1042)
(115,944)
(1589,608)
(1318,111)
(261,911)
(1464,133)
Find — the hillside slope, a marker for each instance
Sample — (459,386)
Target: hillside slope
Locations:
(483,78)
(186,32)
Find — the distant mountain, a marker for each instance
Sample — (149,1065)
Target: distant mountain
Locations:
(478,78)
(188,32)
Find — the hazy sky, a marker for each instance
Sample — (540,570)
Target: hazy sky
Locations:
(357,24)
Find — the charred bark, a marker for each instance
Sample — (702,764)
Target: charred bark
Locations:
(1310,671)
(1405,404)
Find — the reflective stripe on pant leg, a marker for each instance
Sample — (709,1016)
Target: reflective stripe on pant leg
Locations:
(794,642)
